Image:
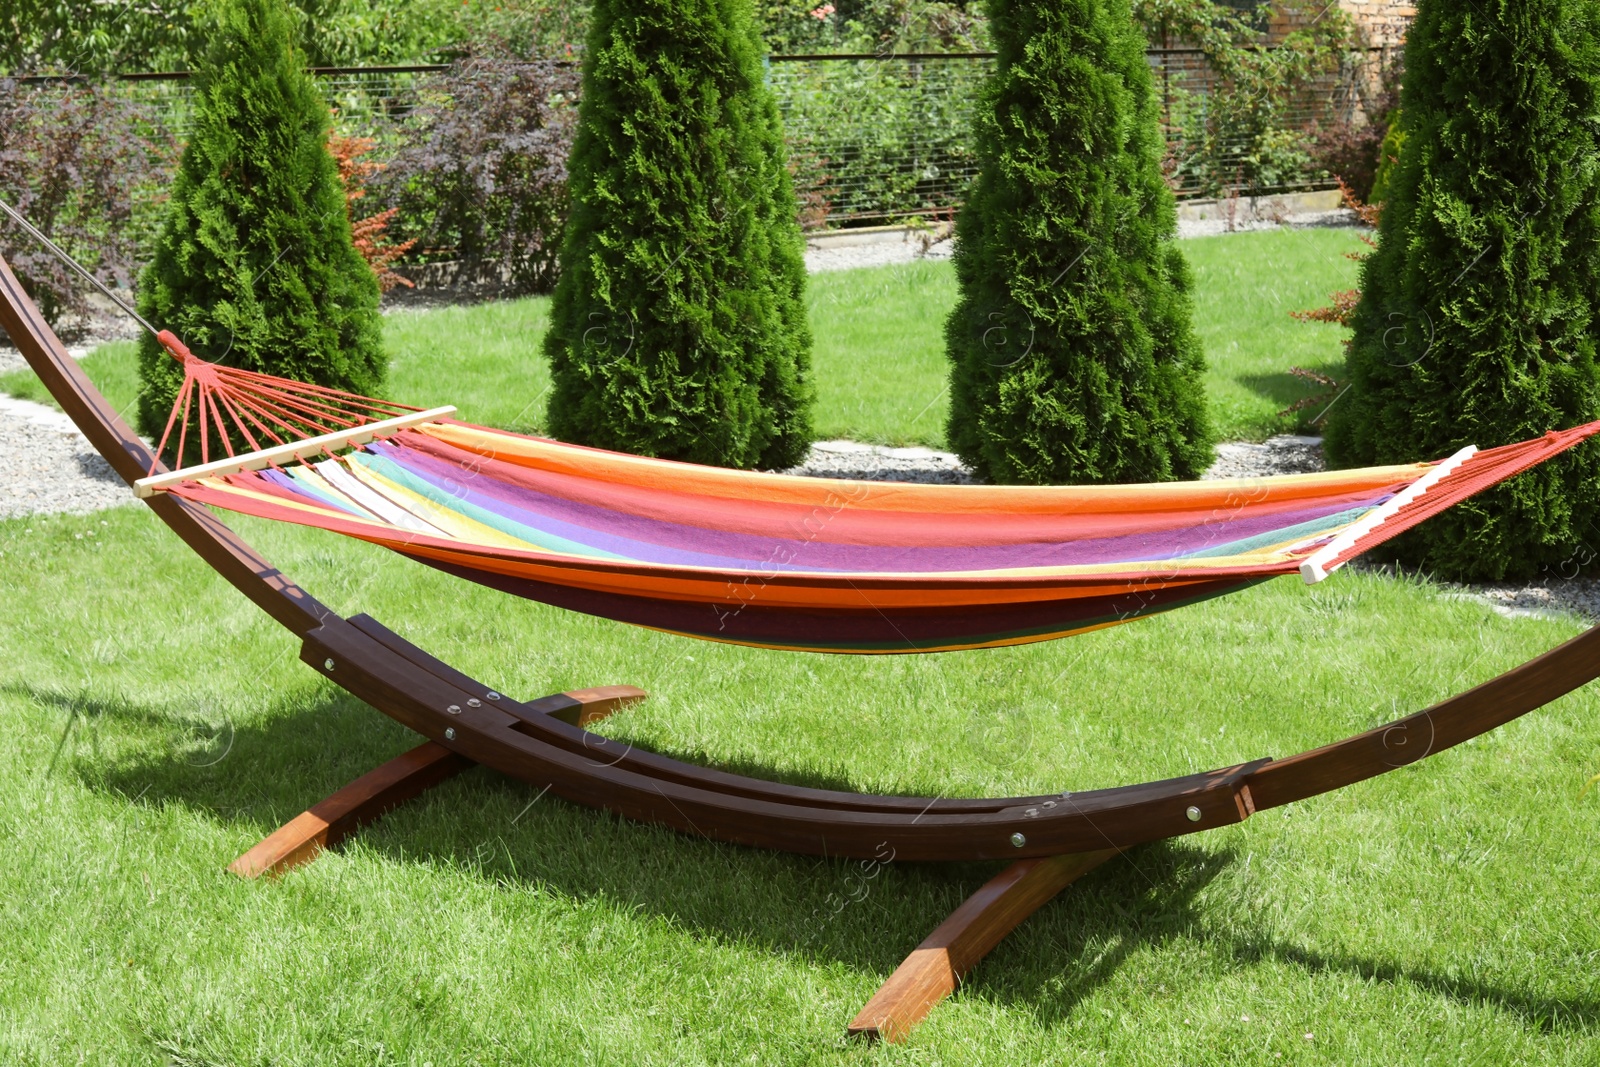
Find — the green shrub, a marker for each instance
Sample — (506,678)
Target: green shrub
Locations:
(482,170)
(1072,354)
(678,327)
(1394,139)
(1477,317)
(255,266)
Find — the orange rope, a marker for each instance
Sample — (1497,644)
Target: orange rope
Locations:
(219,399)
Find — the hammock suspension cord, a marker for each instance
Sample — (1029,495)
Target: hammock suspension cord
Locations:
(264,409)
(88,276)
(261,409)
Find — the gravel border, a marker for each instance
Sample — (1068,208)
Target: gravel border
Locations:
(849,459)
(47,466)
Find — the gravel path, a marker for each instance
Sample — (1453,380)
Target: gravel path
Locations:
(848,459)
(875,463)
(878,254)
(46,465)
(819,260)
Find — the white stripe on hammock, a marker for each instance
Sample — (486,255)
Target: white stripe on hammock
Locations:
(382,506)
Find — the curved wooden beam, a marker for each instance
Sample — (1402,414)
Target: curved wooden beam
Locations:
(522,741)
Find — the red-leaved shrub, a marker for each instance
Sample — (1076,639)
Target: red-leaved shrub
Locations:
(79,161)
(370,234)
(482,175)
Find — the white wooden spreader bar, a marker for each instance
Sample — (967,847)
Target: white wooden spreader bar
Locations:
(266,457)
(1315,567)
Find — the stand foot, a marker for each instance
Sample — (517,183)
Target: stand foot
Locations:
(580,707)
(933,970)
(300,839)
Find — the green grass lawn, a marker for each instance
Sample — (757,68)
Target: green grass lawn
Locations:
(158,725)
(879,344)
(1245,285)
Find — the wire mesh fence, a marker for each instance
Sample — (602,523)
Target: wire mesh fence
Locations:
(1223,141)
(880,137)
(873,138)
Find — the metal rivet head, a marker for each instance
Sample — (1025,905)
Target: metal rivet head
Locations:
(454,709)
(1018,840)
(449,733)
(1031,813)
(1193,813)
(492,696)
(1066,796)
(327,664)
(1049,803)
(474,702)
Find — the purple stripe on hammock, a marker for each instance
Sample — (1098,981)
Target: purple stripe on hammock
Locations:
(657,541)
(903,629)
(1138,546)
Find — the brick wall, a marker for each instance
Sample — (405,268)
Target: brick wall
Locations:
(1382,23)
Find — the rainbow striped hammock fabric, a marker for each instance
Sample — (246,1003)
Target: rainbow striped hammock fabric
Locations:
(842,566)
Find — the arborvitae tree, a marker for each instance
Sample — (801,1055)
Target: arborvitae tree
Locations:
(1477,321)
(678,327)
(254,266)
(1072,355)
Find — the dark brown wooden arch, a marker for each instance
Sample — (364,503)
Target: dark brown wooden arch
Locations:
(543,743)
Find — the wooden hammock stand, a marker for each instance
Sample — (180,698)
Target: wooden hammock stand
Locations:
(1049,841)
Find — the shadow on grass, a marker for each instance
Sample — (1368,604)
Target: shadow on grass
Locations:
(1544,1013)
(865,915)
(1285,389)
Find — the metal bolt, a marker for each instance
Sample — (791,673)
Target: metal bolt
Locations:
(492,695)
(449,733)
(327,664)
(1193,813)
(454,709)
(1066,796)
(1031,813)
(1018,840)
(1049,803)
(474,702)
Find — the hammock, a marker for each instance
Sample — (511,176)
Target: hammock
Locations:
(788,562)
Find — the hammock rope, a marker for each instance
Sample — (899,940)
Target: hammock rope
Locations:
(258,408)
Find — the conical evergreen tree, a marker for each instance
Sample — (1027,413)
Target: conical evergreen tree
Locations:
(678,327)
(255,266)
(1477,320)
(1072,354)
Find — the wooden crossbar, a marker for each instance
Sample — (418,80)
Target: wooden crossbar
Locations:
(266,457)
(304,837)
(325,824)
(1315,568)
